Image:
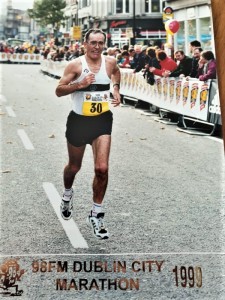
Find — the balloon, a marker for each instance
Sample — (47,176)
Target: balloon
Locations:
(172,26)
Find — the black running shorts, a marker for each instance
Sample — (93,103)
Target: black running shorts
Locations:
(82,130)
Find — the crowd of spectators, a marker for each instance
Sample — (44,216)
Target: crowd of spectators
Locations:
(152,60)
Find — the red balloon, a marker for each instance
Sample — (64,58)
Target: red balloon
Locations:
(172,26)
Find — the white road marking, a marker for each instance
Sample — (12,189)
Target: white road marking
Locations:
(3,98)
(215,139)
(69,226)
(25,139)
(10,111)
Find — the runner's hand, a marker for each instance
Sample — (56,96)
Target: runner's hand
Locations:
(89,79)
(116,98)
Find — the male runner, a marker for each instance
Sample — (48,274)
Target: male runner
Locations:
(87,78)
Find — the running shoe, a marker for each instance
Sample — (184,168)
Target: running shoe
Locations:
(97,226)
(66,207)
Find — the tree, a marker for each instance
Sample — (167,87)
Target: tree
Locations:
(48,12)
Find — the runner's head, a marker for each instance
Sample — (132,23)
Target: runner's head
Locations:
(94,42)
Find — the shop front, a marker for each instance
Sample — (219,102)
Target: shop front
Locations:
(195,24)
(148,32)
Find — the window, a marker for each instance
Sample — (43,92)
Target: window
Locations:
(127,6)
(84,3)
(205,33)
(181,37)
(192,35)
(152,6)
(122,6)
(155,5)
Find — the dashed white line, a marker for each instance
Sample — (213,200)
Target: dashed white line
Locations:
(25,139)
(10,111)
(70,227)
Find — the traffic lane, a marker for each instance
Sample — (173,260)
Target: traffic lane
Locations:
(175,185)
(127,213)
(49,145)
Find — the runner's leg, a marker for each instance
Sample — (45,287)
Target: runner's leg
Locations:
(101,150)
(75,160)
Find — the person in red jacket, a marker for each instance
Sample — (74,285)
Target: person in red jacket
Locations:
(126,60)
(166,63)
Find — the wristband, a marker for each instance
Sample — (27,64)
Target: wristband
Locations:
(117,85)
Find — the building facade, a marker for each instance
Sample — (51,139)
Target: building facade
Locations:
(16,24)
(124,21)
(195,19)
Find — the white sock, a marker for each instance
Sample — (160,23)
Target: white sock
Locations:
(96,209)
(67,194)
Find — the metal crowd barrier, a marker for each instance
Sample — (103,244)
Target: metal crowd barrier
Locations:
(192,101)
(24,58)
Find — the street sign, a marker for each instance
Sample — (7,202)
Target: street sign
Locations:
(76,32)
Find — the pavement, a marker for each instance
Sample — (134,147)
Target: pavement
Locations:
(164,206)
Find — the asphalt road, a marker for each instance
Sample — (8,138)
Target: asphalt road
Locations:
(164,203)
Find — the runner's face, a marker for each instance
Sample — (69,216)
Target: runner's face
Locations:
(95,45)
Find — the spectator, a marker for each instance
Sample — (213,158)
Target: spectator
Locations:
(119,58)
(151,61)
(81,50)
(125,60)
(36,50)
(67,52)
(194,44)
(131,57)
(46,52)
(167,64)
(125,47)
(207,66)
(184,67)
(117,51)
(195,61)
(58,55)
(141,59)
(111,51)
(137,49)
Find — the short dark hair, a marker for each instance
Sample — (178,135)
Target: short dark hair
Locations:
(125,53)
(94,31)
(179,51)
(151,52)
(125,47)
(161,55)
(198,48)
(208,55)
(195,43)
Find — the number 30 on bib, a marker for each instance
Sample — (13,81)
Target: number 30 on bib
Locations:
(95,104)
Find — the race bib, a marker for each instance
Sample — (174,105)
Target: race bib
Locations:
(95,103)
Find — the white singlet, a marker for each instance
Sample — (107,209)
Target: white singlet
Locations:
(94,100)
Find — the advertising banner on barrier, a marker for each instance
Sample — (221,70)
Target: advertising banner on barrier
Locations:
(189,98)
(20,58)
(214,105)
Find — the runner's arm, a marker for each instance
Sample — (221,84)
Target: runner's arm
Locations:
(116,85)
(66,85)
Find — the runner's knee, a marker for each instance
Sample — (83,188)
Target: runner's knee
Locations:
(74,168)
(101,170)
